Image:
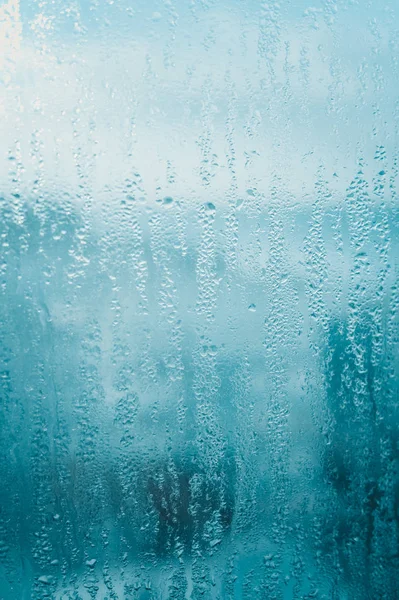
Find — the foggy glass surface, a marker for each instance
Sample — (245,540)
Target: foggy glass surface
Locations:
(199,300)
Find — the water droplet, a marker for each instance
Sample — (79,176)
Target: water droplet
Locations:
(91,563)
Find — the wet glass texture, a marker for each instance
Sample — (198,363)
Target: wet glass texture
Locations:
(199,300)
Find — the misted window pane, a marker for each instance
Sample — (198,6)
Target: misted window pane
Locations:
(199,300)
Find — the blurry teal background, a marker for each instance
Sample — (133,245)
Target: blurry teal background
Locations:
(199,300)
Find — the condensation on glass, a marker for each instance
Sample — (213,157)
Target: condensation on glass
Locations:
(199,300)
